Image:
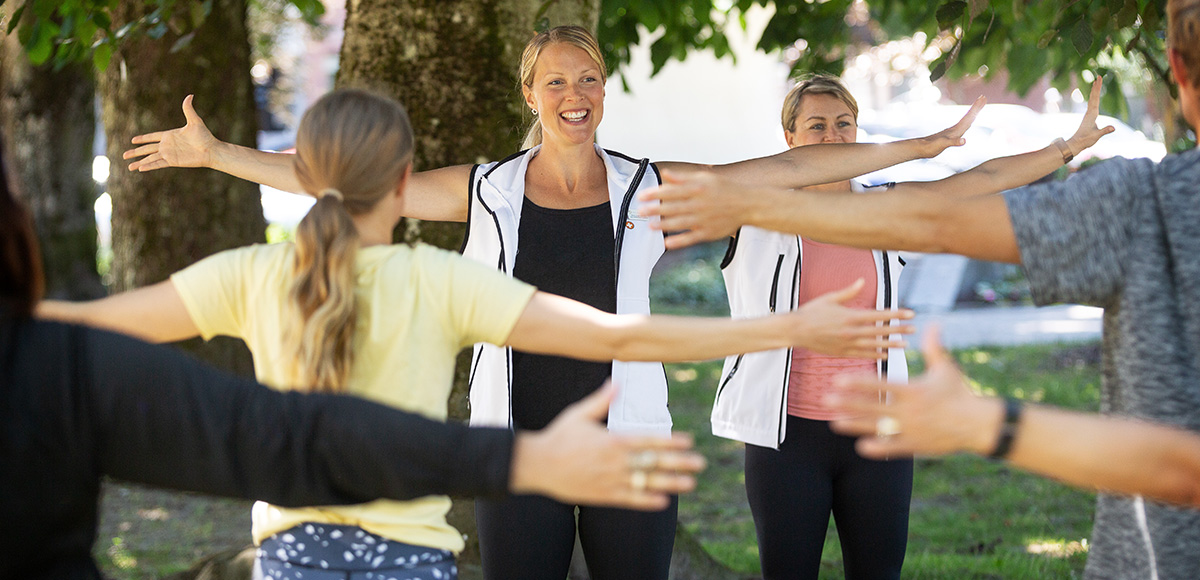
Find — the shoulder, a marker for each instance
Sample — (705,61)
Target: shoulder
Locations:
(1183,167)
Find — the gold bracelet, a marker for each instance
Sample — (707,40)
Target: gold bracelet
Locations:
(1064,149)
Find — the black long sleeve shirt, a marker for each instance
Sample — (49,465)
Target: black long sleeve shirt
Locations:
(78,403)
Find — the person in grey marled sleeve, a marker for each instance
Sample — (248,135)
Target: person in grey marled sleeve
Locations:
(1124,235)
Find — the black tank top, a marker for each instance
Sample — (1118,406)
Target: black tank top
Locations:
(568,252)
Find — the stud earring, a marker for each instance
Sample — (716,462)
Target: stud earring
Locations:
(534,111)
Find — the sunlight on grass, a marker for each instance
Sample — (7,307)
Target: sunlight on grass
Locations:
(119,555)
(1057,548)
(685,375)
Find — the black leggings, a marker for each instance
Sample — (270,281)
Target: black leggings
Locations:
(529,537)
(815,472)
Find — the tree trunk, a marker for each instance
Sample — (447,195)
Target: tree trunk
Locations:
(166,220)
(49,124)
(453,63)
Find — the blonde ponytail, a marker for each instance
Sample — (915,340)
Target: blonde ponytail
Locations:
(322,295)
(352,149)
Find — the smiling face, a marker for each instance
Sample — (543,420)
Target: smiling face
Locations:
(822,118)
(567,91)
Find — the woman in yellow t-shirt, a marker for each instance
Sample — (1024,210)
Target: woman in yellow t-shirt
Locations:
(343,309)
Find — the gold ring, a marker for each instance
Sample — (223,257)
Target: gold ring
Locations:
(886,426)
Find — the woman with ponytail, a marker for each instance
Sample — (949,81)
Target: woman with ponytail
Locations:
(559,214)
(78,404)
(345,310)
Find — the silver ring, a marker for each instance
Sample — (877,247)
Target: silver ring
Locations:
(644,460)
(638,480)
(886,426)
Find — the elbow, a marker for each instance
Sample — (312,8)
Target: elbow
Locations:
(1179,486)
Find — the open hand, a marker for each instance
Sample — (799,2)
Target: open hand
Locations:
(694,207)
(1088,132)
(933,145)
(934,414)
(188,146)
(824,325)
(576,460)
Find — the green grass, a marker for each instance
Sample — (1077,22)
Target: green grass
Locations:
(971,518)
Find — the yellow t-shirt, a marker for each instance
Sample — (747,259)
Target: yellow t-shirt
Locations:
(417,308)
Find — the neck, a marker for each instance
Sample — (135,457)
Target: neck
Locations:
(569,166)
(374,228)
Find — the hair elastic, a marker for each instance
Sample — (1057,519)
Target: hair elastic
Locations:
(331,192)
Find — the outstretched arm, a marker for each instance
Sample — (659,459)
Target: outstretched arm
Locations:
(705,207)
(827,163)
(173,421)
(436,195)
(153,313)
(937,414)
(1004,173)
(555,325)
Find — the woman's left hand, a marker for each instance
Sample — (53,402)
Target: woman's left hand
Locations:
(1088,132)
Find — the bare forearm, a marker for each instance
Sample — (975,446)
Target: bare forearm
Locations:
(1112,454)
(270,169)
(814,165)
(995,175)
(154,313)
(918,220)
(682,338)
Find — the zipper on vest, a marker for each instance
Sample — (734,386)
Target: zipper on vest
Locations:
(732,371)
(623,217)
(775,282)
(887,305)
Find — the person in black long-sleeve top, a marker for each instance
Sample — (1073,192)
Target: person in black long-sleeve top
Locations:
(77,404)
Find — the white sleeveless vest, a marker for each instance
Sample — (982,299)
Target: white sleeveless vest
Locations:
(762,276)
(494,216)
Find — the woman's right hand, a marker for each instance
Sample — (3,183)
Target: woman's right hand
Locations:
(188,146)
(824,325)
(933,145)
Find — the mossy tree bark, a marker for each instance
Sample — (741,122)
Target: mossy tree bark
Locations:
(49,124)
(166,220)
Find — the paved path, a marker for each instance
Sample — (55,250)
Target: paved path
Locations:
(930,285)
(1012,325)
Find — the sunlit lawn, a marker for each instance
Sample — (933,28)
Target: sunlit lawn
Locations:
(971,518)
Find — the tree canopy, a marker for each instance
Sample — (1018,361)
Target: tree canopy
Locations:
(1026,38)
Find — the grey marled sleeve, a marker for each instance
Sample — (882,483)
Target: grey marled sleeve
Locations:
(1074,234)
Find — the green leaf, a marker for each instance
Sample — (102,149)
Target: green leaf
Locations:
(950,12)
(16,19)
(41,45)
(102,56)
(102,19)
(660,52)
(939,69)
(1047,38)
(1082,36)
(542,25)
(1128,14)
